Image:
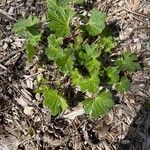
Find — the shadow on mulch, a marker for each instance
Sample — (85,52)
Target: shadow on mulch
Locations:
(138,136)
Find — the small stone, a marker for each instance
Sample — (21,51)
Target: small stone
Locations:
(5,46)
(29,111)
(136,40)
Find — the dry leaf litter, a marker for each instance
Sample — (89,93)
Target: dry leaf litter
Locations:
(26,124)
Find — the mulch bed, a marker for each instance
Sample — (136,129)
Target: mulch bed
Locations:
(25,124)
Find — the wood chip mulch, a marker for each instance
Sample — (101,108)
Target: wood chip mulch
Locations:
(26,125)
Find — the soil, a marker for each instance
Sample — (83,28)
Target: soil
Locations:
(26,125)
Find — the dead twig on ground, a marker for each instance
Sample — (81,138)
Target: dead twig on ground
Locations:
(4,14)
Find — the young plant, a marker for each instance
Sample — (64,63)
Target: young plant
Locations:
(81,52)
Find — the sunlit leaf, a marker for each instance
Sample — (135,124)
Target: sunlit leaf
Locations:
(123,85)
(113,74)
(59,18)
(21,25)
(90,84)
(53,101)
(98,105)
(96,23)
(128,62)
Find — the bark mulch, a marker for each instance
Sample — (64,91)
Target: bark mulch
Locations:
(26,125)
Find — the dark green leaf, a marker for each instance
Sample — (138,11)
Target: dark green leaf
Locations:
(30,50)
(89,56)
(65,63)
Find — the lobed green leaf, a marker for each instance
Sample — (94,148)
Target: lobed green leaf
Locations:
(59,18)
(128,62)
(96,23)
(123,85)
(90,84)
(98,105)
(113,74)
(21,25)
(53,101)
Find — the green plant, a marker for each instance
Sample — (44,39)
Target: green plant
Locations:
(82,52)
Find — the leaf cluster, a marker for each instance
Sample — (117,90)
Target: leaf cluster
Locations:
(28,29)
(81,52)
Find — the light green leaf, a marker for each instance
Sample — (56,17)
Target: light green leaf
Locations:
(78,1)
(33,39)
(51,4)
(93,66)
(21,25)
(90,84)
(123,85)
(98,105)
(59,20)
(113,74)
(54,50)
(90,51)
(53,101)
(128,62)
(96,23)
(89,54)
(107,43)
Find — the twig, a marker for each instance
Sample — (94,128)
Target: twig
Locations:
(6,15)
(139,14)
(2,66)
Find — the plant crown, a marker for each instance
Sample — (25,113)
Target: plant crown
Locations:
(82,52)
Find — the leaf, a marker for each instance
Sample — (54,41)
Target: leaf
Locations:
(107,43)
(54,50)
(93,66)
(128,62)
(98,105)
(79,1)
(33,39)
(123,85)
(65,63)
(30,51)
(59,19)
(63,58)
(51,4)
(90,84)
(89,56)
(90,51)
(21,25)
(53,101)
(113,74)
(96,23)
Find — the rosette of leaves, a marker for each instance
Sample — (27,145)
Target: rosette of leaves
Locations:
(79,52)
